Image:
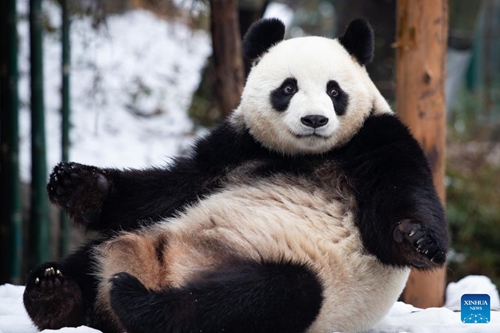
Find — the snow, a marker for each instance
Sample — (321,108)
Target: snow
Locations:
(140,62)
(406,318)
(474,284)
(135,62)
(401,317)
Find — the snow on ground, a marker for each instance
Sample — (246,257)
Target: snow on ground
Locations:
(136,62)
(141,63)
(401,318)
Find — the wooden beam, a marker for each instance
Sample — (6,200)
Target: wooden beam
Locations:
(421,39)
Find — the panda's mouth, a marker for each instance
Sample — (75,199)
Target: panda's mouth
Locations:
(310,135)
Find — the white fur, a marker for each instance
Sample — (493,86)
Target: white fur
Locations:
(312,61)
(279,218)
(268,220)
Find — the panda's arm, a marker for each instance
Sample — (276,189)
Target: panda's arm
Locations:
(112,199)
(399,213)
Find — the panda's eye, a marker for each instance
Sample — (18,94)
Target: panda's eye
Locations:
(282,95)
(333,92)
(339,97)
(289,89)
(333,89)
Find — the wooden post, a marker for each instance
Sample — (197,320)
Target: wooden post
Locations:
(421,39)
(228,59)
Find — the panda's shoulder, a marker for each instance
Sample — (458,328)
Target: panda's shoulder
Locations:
(382,131)
(384,126)
(227,145)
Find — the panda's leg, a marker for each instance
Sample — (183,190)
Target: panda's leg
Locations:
(250,297)
(60,294)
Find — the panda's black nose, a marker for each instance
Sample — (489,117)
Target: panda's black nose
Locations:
(314,121)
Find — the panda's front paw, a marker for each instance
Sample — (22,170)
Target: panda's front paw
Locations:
(80,190)
(425,249)
(52,299)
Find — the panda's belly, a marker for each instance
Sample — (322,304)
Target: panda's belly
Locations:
(276,221)
(271,221)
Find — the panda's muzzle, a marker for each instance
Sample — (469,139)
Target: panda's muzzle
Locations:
(314,121)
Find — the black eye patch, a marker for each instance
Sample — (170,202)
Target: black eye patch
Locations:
(281,96)
(339,98)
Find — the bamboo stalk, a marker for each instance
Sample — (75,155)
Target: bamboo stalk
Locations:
(39,229)
(11,240)
(65,112)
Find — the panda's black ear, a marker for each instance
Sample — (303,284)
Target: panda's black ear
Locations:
(358,40)
(261,36)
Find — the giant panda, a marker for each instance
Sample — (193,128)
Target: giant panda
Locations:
(303,212)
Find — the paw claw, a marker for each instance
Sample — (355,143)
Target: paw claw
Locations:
(51,300)
(426,246)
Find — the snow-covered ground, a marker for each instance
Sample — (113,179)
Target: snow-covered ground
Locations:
(135,63)
(401,318)
(139,63)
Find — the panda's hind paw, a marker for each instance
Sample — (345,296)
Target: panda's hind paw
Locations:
(52,299)
(427,250)
(126,284)
(80,190)
(128,298)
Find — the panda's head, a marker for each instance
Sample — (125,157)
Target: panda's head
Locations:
(307,95)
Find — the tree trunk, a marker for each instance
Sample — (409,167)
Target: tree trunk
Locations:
(248,13)
(421,38)
(227,55)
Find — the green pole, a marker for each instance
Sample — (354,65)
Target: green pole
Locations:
(40,235)
(11,240)
(65,110)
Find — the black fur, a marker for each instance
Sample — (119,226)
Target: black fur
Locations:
(358,40)
(393,184)
(261,36)
(400,219)
(281,96)
(340,101)
(67,299)
(243,298)
(54,300)
(399,215)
